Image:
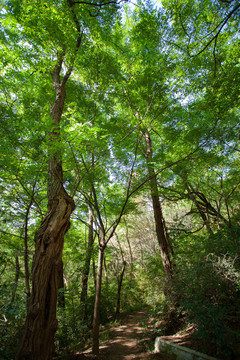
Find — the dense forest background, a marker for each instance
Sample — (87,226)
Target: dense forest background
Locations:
(123,117)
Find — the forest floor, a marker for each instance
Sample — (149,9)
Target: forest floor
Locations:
(132,337)
(126,340)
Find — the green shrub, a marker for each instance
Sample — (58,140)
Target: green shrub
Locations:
(208,293)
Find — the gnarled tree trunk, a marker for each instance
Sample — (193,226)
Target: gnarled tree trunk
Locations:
(37,342)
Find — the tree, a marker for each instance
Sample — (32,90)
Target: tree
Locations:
(99,105)
(144,90)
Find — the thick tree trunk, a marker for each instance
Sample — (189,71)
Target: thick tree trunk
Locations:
(41,324)
(161,231)
(96,318)
(37,342)
(86,269)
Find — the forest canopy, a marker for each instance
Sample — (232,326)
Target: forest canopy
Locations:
(119,170)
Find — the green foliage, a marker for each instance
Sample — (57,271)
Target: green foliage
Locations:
(11,319)
(173,72)
(207,289)
(72,332)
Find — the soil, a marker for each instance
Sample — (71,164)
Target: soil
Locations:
(127,340)
(133,338)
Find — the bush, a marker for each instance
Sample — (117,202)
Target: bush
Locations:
(12,316)
(208,293)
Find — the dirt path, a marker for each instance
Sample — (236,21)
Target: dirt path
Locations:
(126,341)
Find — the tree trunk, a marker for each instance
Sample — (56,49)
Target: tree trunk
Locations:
(26,262)
(17,274)
(120,277)
(192,196)
(129,245)
(105,271)
(86,269)
(37,341)
(161,231)
(61,295)
(94,274)
(96,318)
(120,280)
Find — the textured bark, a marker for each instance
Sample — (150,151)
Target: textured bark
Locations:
(37,341)
(41,324)
(161,230)
(96,318)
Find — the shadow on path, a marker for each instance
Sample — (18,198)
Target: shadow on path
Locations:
(125,341)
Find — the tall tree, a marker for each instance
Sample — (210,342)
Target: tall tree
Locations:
(144,91)
(38,337)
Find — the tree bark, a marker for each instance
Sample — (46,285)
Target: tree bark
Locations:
(94,273)
(86,269)
(120,280)
(26,262)
(129,245)
(61,295)
(120,277)
(37,341)
(96,318)
(17,274)
(161,231)
(192,196)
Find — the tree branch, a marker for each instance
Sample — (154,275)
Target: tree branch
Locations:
(222,24)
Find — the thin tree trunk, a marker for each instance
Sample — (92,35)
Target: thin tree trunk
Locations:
(192,196)
(129,244)
(120,277)
(105,271)
(161,231)
(96,318)
(61,295)
(37,341)
(26,262)
(120,280)
(17,274)
(94,273)
(86,269)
